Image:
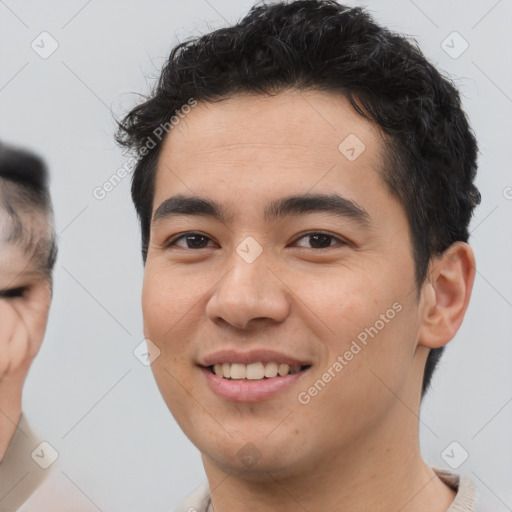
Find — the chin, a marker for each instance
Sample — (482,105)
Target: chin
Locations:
(261,470)
(256,461)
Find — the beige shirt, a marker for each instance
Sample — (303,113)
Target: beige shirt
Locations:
(20,475)
(25,484)
(465,500)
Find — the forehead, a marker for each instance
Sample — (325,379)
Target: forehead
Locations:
(308,124)
(289,143)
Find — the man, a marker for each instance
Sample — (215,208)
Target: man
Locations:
(27,257)
(304,185)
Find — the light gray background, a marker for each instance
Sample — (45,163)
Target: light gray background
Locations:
(87,394)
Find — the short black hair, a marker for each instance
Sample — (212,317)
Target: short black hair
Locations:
(24,189)
(430,158)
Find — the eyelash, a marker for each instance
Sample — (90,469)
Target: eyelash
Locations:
(173,241)
(13,293)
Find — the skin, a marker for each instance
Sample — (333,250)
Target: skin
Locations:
(25,296)
(358,438)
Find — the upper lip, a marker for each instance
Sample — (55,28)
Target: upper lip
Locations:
(252,356)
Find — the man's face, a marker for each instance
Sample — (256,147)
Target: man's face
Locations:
(25,293)
(330,293)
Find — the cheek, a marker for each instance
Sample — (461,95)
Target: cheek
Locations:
(341,301)
(367,367)
(34,313)
(381,351)
(165,314)
(368,321)
(170,305)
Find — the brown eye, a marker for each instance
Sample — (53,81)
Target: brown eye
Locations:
(190,241)
(320,241)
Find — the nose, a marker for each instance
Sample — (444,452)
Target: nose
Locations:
(249,293)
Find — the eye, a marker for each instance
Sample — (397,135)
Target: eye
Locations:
(319,240)
(193,240)
(189,240)
(13,293)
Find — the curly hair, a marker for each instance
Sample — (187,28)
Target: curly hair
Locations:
(431,152)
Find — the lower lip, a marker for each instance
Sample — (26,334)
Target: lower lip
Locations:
(249,390)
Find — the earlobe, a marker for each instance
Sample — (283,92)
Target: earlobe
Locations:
(445,295)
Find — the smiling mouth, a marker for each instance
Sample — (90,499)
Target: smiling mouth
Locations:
(255,371)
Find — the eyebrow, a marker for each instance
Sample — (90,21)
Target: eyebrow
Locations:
(276,209)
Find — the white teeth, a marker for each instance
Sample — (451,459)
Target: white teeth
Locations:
(271,370)
(238,371)
(226,370)
(283,369)
(254,371)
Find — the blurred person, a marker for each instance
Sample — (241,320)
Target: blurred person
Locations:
(27,256)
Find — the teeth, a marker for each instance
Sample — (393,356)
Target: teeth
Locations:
(271,370)
(226,370)
(254,371)
(238,371)
(283,369)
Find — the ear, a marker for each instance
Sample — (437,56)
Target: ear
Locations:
(445,295)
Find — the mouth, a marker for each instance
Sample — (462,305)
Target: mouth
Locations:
(251,376)
(257,371)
